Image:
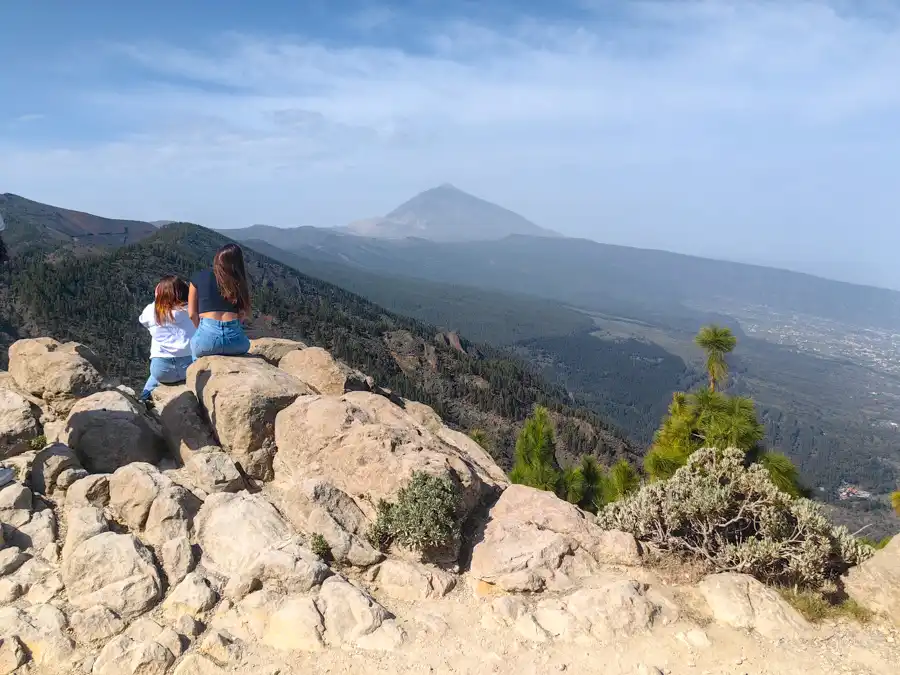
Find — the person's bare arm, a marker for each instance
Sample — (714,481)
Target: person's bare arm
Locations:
(193,306)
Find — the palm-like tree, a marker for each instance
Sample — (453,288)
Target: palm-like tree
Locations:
(717,342)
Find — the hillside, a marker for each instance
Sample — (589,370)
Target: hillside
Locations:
(446,213)
(96,299)
(32,225)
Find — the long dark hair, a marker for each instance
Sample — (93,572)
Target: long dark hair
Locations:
(231,278)
(171,293)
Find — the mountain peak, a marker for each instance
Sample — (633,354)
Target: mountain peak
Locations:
(446,213)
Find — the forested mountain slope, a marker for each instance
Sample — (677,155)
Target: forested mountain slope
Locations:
(96,300)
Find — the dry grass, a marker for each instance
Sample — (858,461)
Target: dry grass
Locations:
(816,607)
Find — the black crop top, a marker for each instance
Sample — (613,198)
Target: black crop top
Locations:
(208,297)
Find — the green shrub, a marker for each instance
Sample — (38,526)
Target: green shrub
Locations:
(816,607)
(424,518)
(732,517)
(320,547)
(38,442)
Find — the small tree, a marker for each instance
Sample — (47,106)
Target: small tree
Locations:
(717,342)
(895,501)
(534,462)
(480,437)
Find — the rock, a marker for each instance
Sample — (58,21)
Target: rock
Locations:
(532,539)
(51,553)
(10,591)
(213,471)
(296,626)
(272,350)
(126,656)
(322,372)
(95,624)
(348,612)
(364,445)
(617,610)
(233,529)
(221,646)
(56,373)
(188,626)
(83,523)
(37,533)
(92,490)
(42,631)
(44,590)
(185,431)
(197,665)
(288,568)
(411,581)
(16,502)
(170,515)
(132,491)
(192,597)
(241,397)
(316,506)
(109,430)
(875,584)
(177,559)
(18,424)
(113,570)
(12,654)
(11,559)
(740,601)
(49,464)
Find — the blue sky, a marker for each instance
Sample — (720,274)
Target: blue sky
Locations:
(758,131)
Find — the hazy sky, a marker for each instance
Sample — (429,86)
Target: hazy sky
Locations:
(760,131)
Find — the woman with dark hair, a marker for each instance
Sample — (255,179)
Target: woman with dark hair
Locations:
(218,299)
(170,329)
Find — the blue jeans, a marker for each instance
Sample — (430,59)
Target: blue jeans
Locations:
(166,371)
(223,338)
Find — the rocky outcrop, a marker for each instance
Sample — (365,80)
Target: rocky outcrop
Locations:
(324,374)
(740,601)
(241,397)
(534,540)
(876,583)
(272,350)
(18,423)
(58,374)
(109,430)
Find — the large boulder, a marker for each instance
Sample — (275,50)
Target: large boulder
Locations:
(55,468)
(324,373)
(18,423)
(183,427)
(56,373)
(241,397)
(109,430)
(233,529)
(273,349)
(740,601)
(42,630)
(369,448)
(534,539)
(875,584)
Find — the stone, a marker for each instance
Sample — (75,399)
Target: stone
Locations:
(95,624)
(296,626)
(125,656)
(289,568)
(12,654)
(48,464)
(109,430)
(10,591)
(616,548)
(272,350)
(56,373)
(172,641)
(16,502)
(323,373)
(18,423)
(214,471)
(194,664)
(83,523)
(177,559)
(92,490)
(185,431)
(740,601)
(51,553)
(233,529)
(410,581)
(113,570)
(192,597)
(364,445)
(618,610)
(348,612)
(170,515)
(188,626)
(44,590)
(132,491)
(11,559)
(42,631)
(875,583)
(241,397)
(37,533)
(221,646)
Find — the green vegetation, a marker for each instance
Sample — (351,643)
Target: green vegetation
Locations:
(877,544)
(731,517)
(480,437)
(817,607)
(320,547)
(424,517)
(716,342)
(586,484)
(38,442)
(895,501)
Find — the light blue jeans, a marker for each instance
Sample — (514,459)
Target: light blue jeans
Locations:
(165,371)
(223,338)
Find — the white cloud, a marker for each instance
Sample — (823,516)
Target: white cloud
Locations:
(668,117)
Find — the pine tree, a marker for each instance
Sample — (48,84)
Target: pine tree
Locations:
(717,342)
(534,461)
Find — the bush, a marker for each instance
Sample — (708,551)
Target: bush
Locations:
(816,607)
(38,442)
(320,547)
(732,517)
(424,518)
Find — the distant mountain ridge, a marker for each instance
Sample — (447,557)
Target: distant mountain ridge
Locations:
(446,213)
